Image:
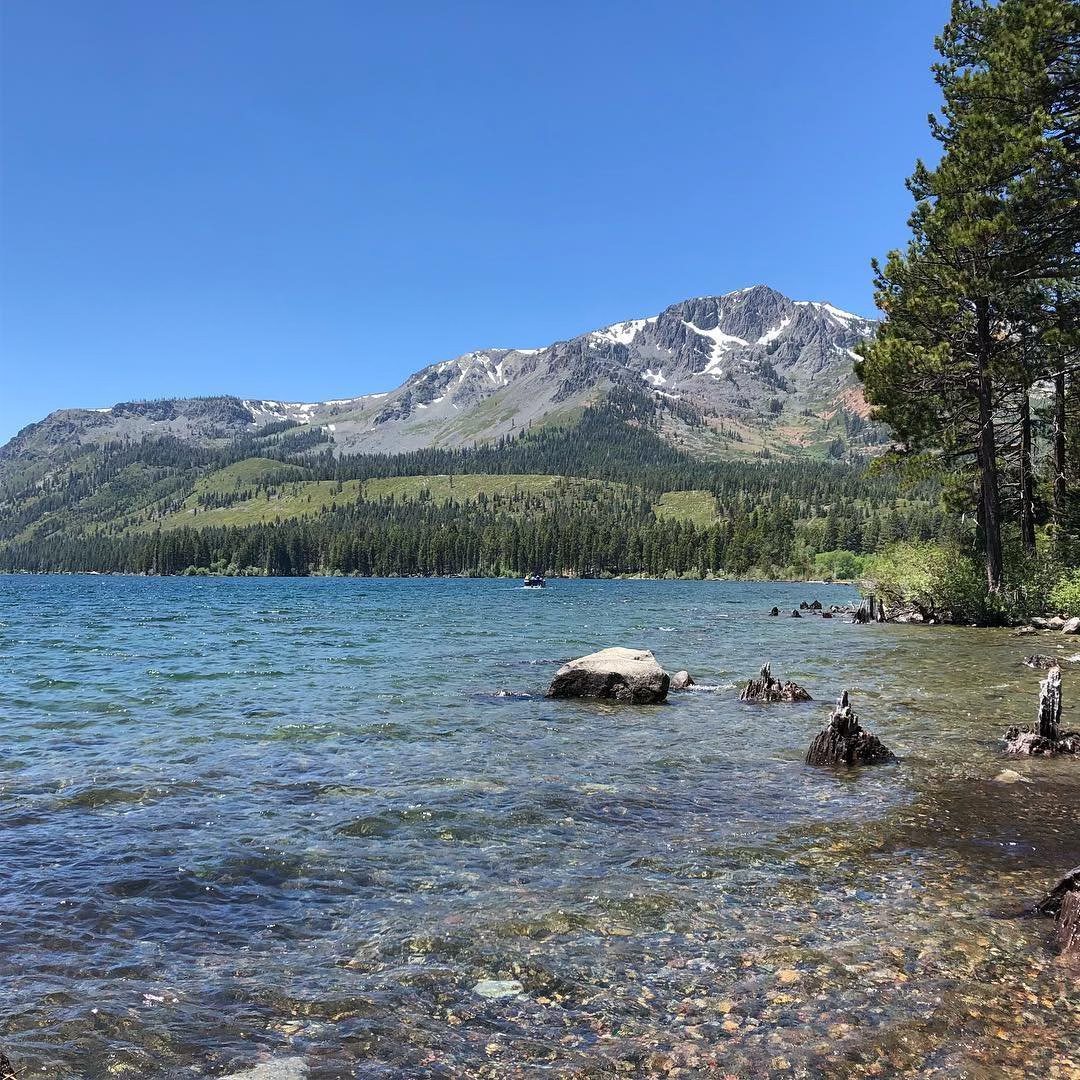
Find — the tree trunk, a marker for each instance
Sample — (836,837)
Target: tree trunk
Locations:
(989,496)
(1027,488)
(1060,467)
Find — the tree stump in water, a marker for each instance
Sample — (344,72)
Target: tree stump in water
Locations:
(1063,900)
(1046,737)
(843,741)
(764,690)
(870,610)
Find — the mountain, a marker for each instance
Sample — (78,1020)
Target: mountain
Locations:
(724,435)
(731,375)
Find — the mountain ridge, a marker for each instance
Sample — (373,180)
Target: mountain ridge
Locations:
(742,373)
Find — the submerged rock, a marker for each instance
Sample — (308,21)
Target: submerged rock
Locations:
(775,611)
(765,689)
(290,1068)
(498,988)
(681,680)
(1040,663)
(795,613)
(843,741)
(628,675)
(7,1070)
(1010,776)
(815,605)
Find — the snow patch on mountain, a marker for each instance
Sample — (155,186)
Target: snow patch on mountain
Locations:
(623,333)
(775,332)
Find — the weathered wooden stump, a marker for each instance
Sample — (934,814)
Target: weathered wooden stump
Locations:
(843,741)
(764,690)
(1063,901)
(870,610)
(1046,736)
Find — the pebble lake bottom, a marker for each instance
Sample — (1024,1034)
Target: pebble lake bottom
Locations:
(293,822)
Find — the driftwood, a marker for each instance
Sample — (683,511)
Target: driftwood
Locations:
(1046,736)
(843,741)
(1063,901)
(765,689)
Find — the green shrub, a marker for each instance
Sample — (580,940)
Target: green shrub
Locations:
(942,581)
(1029,580)
(839,565)
(1065,595)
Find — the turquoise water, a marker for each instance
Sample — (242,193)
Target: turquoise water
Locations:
(250,819)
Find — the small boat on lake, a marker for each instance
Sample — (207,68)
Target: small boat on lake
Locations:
(534,581)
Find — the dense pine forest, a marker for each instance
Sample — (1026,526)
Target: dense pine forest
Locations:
(606,495)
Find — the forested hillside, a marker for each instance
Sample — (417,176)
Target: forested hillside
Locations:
(604,495)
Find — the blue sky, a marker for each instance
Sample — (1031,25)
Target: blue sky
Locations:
(311,200)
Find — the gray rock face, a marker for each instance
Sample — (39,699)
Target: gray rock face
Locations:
(631,676)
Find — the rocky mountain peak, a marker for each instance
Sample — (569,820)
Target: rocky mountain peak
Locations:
(748,362)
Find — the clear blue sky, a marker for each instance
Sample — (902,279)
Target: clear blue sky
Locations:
(309,200)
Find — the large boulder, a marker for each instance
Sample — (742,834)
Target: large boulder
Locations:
(628,675)
(1072,626)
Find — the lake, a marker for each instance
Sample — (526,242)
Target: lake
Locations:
(246,820)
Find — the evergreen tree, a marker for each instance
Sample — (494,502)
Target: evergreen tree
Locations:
(981,303)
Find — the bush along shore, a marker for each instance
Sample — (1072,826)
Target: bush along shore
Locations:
(936,583)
